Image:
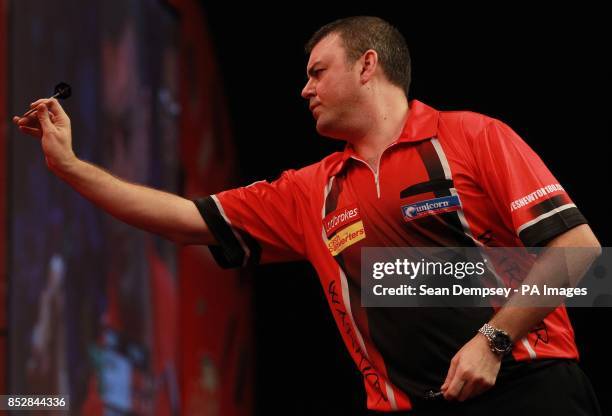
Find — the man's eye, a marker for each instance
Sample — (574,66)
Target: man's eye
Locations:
(315,73)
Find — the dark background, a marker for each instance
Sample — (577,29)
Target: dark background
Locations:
(544,73)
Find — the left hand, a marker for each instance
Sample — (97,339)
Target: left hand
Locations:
(473,370)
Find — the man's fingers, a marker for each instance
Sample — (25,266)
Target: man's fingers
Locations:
(450,374)
(19,120)
(38,102)
(474,387)
(33,123)
(454,389)
(32,132)
(29,120)
(52,104)
(55,107)
(467,391)
(43,117)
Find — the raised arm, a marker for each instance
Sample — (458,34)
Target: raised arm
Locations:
(162,213)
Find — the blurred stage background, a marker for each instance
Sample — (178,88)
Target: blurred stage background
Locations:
(195,97)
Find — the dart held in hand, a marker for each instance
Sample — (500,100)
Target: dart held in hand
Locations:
(61,91)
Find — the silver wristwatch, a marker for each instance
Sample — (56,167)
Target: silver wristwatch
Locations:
(499,340)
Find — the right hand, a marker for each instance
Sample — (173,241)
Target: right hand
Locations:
(50,124)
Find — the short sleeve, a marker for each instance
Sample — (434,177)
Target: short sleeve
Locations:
(525,193)
(259,223)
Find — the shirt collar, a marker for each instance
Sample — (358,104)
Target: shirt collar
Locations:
(421,124)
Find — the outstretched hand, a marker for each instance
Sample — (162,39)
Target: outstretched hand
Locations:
(51,125)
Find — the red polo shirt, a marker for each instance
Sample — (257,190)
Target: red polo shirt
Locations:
(451,179)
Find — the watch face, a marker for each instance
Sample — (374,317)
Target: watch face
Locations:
(501,341)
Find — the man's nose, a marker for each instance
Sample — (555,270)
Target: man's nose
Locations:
(308,90)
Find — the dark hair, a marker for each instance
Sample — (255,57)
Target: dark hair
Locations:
(360,33)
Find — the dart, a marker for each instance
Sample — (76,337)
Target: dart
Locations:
(61,91)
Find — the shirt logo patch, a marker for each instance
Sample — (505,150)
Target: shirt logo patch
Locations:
(346,238)
(429,207)
(339,218)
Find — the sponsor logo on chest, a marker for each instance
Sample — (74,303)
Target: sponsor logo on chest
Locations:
(340,218)
(343,228)
(431,206)
(346,237)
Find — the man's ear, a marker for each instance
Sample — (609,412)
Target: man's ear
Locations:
(369,63)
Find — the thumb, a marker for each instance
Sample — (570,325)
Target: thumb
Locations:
(43,117)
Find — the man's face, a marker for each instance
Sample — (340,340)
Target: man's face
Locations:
(332,89)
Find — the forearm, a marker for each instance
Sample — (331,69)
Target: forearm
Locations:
(162,213)
(563,263)
(518,321)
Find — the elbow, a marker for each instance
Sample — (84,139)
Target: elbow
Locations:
(594,244)
(597,251)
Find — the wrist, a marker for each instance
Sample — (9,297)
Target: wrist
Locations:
(65,168)
(486,347)
(499,341)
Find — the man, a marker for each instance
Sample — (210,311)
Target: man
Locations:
(397,155)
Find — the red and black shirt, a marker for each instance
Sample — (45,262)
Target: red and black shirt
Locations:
(450,179)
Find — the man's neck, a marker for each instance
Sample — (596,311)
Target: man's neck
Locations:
(384,128)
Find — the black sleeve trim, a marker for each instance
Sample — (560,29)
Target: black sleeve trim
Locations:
(548,205)
(540,233)
(229,253)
